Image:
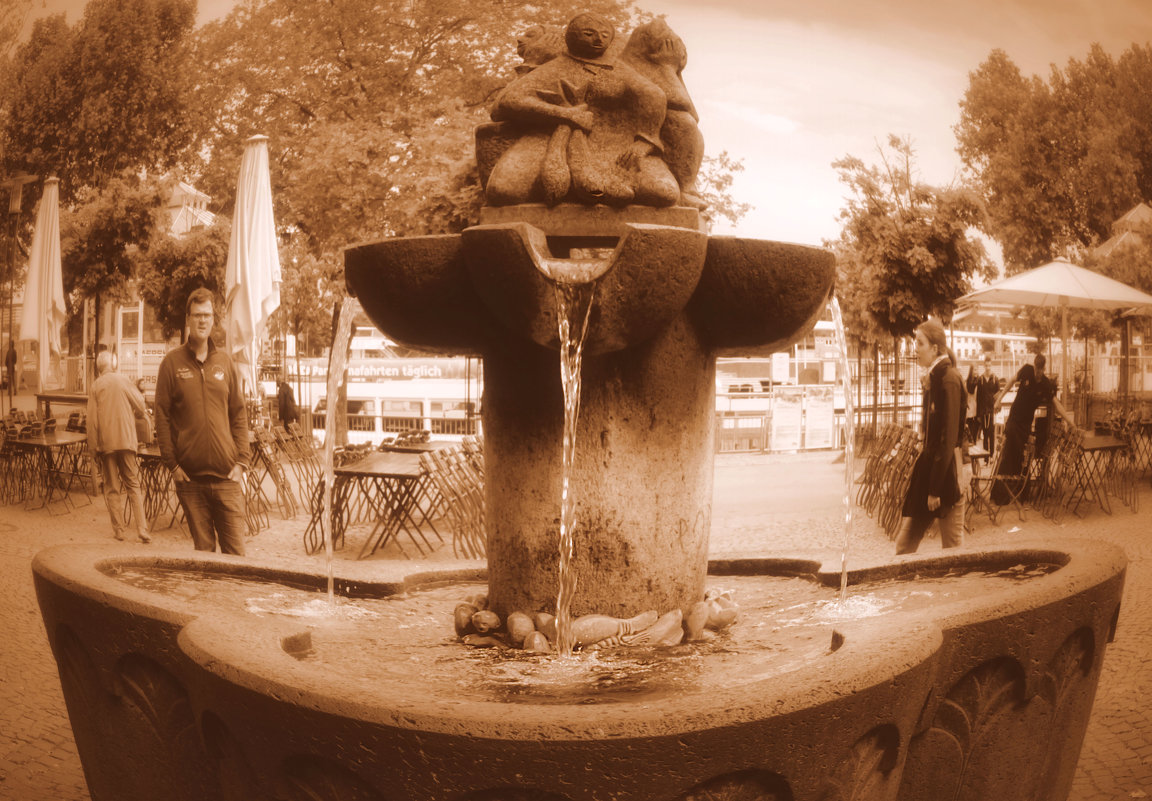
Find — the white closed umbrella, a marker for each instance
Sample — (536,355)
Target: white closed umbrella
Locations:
(1063,285)
(252,277)
(44,310)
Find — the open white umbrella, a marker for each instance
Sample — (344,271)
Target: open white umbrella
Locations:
(1061,284)
(44,310)
(252,277)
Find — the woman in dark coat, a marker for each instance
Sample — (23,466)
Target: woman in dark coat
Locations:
(287,405)
(1034,390)
(934,489)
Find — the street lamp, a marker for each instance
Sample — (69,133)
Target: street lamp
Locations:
(15,187)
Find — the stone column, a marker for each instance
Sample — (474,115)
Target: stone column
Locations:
(643,478)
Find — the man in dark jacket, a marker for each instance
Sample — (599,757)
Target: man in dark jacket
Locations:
(985,387)
(203,432)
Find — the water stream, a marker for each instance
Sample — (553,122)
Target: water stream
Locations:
(574,304)
(337,361)
(849,443)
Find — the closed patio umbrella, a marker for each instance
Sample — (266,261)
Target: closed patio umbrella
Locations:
(252,276)
(1063,285)
(44,310)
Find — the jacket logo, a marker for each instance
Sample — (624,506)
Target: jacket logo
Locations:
(218,374)
(183,372)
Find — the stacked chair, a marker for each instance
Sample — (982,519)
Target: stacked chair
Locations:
(457,476)
(887,471)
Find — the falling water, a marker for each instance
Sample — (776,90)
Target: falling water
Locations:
(337,359)
(574,302)
(849,443)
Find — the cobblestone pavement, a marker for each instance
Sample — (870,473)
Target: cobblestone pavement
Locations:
(762,504)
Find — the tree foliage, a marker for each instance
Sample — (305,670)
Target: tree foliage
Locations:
(717,174)
(1058,160)
(308,293)
(176,266)
(907,250)
(103,96)
(106,237)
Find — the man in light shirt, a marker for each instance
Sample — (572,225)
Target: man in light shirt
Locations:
(114,405)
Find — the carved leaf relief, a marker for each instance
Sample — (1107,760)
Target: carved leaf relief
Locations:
(309,778)
(865,773)
(745,785)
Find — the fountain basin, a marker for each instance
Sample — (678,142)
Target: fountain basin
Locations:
(976,697)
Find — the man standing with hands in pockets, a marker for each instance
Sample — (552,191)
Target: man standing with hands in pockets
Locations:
(203,432)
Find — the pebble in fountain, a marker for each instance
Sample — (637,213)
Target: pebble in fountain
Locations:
(590,176)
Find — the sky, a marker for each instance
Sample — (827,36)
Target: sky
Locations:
(789,86)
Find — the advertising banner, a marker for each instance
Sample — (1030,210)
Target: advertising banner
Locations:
(820,417)
(787,416)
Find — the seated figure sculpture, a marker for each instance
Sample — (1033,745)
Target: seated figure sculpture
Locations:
(583,128)
(656,52)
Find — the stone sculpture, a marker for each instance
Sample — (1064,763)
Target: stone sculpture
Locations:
(584,127)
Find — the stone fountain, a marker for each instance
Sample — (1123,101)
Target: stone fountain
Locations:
(589,170)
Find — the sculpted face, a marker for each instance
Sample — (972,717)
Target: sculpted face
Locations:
(589,35)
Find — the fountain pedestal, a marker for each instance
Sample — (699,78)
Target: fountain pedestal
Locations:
(667,300)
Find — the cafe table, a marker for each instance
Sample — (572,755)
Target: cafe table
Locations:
(53,461)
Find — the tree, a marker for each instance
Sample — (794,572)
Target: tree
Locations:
(906,250)
(911,243)
(1057,161)
(104,239)
(177,265)
(308,292)
(103,96)
(715,180)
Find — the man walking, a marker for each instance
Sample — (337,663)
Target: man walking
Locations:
(985,387)
(113,406)
(203,432)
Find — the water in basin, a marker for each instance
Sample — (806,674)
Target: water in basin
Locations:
(786,623)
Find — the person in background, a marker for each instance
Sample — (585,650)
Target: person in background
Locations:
(10,360)
(114,406)
(286,405)
(1048,404)
(985,388)
(1034,389)
(145,428)
(202,429)
(934,491)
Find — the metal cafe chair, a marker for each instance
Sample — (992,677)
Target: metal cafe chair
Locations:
(1011,485)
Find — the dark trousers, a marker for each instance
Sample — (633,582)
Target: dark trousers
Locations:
(985,429)
(214,509)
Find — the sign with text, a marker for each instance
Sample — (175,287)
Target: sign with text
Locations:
(820,417)
(367,370)
(787,416)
